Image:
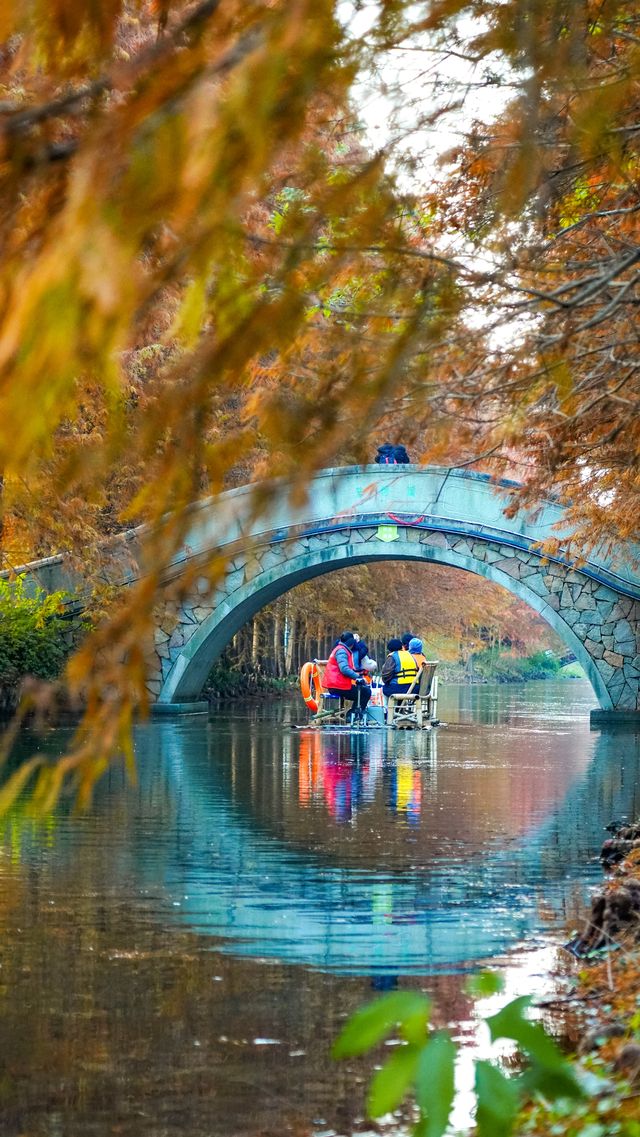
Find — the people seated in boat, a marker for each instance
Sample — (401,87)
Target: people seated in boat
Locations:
(363,660)
(417,651)
(398,670)
(343,677)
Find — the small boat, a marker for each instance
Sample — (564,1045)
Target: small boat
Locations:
(413,710)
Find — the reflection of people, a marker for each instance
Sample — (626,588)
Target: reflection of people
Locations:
(343,780)
(384,982)
(343,678)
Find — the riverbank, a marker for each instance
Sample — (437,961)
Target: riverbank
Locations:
(246,683)
(600,1017)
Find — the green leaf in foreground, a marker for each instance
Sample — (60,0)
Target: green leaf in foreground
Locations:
(498,1101)
(375,1021)
(390,1084)
(485,984)
(435,1084)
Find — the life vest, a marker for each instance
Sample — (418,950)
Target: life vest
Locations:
(419,658)
(333,676)
(407,668)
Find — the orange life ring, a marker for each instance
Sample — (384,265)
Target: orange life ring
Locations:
(310,685)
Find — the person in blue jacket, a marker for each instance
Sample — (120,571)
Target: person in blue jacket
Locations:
(390,455)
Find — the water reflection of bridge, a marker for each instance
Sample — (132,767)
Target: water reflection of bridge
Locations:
(232,875)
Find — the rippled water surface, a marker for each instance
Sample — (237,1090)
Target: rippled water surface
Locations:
(178,960)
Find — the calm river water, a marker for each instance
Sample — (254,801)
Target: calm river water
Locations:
(178,960)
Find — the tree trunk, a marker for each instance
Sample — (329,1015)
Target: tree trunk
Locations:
(278,663)
(291,629)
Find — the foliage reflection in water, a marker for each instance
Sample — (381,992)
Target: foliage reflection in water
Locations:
(319,868)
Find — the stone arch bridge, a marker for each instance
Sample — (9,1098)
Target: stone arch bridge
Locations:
(356,515)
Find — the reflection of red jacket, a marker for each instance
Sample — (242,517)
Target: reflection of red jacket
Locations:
(333,676)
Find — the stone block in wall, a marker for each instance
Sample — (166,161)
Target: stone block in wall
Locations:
(553,583)
(160,636)
(554,602)
(431,537)
(411,535)
(585,602)
(614,658)
(510,566)
(269,558)
(537,585)
(154,686)
(622,631)
(574,577)
(594,648)
(202,611)
(622,608)
(626,647)
(163,651)
(580,630)
(566,597)
(628,698)
(491,555)
(177,638)
(234,580)
(462,547)
(591,616)
(528,570)
(606,670)
(570,616)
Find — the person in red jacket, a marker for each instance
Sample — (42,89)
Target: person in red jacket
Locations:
(342,677)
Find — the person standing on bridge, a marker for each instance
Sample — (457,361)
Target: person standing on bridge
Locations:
(342,676)
(390,455)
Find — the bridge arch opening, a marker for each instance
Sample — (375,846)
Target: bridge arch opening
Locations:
(187,675)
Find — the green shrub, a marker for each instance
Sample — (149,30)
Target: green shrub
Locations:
(506,668)
(36,634)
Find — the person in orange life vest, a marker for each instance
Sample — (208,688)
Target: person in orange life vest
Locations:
(398,670)
(415,647)
(341,676)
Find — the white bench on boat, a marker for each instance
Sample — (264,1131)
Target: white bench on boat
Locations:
(415,708)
